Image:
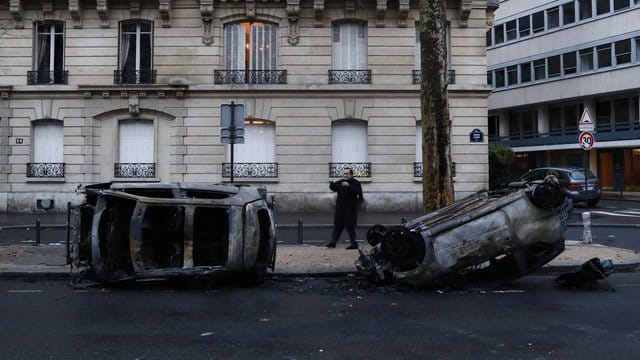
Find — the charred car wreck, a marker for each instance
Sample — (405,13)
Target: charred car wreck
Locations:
(144,231)
(487,236)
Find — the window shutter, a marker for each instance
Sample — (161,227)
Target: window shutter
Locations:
(349,142)
(258,147)
(48,142)
(234,47)
(136,141)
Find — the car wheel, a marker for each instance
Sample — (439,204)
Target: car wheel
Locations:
(593,202)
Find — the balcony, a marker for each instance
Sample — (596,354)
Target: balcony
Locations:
(349,77)
(57,77)
(45,170)
(250,170)
(451,76)
(417,169)
(250,77)
(124,77)
(359,169)
(134,170)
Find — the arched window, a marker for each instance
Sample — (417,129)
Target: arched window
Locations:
(48,155)
(250,54)
(136,149)
(349,148)
(48,54)
(135,58)
(256,157)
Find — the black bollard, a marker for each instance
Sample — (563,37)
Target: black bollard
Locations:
(300,225)
(37,231)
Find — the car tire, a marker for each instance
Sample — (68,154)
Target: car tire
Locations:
(593,202)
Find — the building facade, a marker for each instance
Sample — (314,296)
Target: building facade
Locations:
(551,60)
(132,91)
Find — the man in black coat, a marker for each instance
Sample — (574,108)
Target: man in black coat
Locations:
(346,213)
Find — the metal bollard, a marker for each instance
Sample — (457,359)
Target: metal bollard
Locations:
(586,232)
(37,231)
(300,225)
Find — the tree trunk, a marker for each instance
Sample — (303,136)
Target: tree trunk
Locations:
(437,184)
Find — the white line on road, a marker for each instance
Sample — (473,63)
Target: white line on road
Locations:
(25,291)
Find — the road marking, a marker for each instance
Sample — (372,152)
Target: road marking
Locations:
(25,291)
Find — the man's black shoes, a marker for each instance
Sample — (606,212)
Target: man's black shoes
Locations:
(331,245)
(352,247)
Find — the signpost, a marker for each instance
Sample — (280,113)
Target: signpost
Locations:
(586,140)
(232,126)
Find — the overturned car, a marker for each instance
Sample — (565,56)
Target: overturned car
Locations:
(487,236)
(165,230)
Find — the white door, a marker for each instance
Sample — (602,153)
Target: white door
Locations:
(48,142)
(349,49)
(349,142)
(136,141)
(258,147)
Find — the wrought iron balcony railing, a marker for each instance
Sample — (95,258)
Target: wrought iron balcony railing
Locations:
(134,170)
(45,170)
(57,77)
(359,169)
(250,170)
(451,76)
(250,76)
(122,77)
(349,76)
(417,169)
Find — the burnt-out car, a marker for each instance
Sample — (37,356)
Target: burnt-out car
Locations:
(129,231)
(488,236)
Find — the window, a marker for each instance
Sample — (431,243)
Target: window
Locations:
(623,51)
(349,147)
(621,114)
(498,34)
(524,26)
(602,7)
(555,120)
(250,54)
(553,17)
(585,9)
(603,115)
(135,57)
(553,63)
(539,69)
(512,75)
(511,30)
(48,55)
(349,54)
(569,63)
(523,123)
(256,158)
(525,72)
(136,149)
(418,48)
(488,35)
(48,155)
(490,78)
(620,4)
(604,55)
(568,13)
(571,114)
(538,22)
(586,60)
(499,77)
(494,126)
(638,49)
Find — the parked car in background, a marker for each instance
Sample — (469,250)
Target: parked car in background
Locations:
(572,182)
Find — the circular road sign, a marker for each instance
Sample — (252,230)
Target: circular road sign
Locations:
(586,140)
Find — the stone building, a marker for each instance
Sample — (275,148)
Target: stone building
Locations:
(110,91)
(549,61)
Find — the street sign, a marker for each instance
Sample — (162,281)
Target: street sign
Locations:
(586,123)
(586,140)
(232,123)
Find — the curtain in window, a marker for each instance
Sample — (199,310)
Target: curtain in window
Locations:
(349,141)
(349,50)
(234,47)
(136,141)
(259,145)
(264,47)
(48,138)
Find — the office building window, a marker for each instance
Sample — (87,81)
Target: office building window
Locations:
(525,72)
(553,64)
(586,60)
(538,22)
(490,78)
(555,120)
(604,55)
(512,75)
(48,55)
(571,115)
(623,51)
(539,70)
(553,17)
(584,7)
(603,115)
(621,4)
(500,78)
(568,13)
(569,65)
(489,39)
(524,26)
(498,34)
(602,7)
(621,114)
(511,30)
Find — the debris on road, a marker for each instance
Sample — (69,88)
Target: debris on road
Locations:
(588,276)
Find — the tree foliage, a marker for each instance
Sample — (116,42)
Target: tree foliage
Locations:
(437,184)
(500,159)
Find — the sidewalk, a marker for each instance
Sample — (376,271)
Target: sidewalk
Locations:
(48,261)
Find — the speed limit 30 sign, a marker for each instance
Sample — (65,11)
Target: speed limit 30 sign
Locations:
(586,140)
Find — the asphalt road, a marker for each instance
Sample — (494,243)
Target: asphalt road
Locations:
(328,318)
